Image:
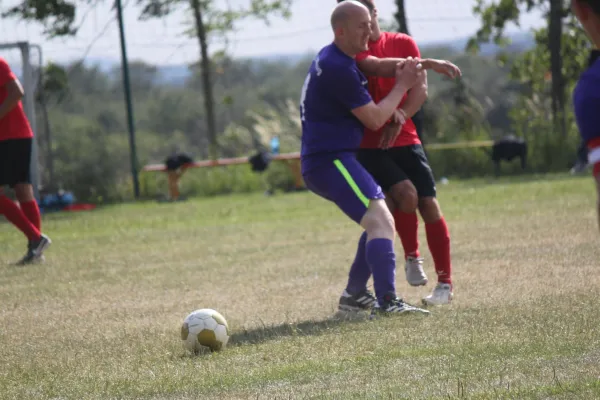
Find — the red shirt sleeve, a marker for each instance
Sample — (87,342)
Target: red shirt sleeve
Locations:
(6,75)
(362,56)
(406,46)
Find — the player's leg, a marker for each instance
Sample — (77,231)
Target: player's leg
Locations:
(23,187)
(20,180)
(15,216)
(25,197)
(356,296)
(355,192)
(436,229)
(438,239)
(593,147)
(29,206)
(582,159)
(388,173)
(379,224)
(325,182)
(407,222)
(12,212)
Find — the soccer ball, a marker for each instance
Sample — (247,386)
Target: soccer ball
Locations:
(204,329)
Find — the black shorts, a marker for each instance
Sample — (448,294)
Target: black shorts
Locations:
(398,164)
(15,161)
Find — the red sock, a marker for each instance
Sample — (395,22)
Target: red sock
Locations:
(438,238)
(32,212)
(407,226)
(16,216)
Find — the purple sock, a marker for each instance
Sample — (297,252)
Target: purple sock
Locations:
(382,260)
(360,272)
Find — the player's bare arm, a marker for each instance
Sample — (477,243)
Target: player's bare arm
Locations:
(14,93)
(385,67)
(374,116)
(391,130)
(416,97)
(442,67)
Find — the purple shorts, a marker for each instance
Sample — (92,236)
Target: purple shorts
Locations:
(346,183)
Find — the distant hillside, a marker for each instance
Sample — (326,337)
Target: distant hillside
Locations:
(177,74)
(519,42)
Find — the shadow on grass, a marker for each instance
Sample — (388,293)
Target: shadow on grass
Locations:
(304,328)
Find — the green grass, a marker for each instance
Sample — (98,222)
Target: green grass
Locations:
(101,318)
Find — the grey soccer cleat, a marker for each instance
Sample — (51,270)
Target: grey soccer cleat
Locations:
(415,275)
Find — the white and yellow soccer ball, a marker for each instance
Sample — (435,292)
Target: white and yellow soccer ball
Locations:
(204,329)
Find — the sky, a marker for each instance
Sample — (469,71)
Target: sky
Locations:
(162,42)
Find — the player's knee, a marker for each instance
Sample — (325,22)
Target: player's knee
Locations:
(378,221)
(405,196)
(24,192)
(430,209)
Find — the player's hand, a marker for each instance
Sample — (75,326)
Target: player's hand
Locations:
(399,116)
(409,72)
(389,133)
(446,68)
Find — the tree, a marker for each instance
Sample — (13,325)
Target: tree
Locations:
(494,18)
(419,117)
(54,86)
(468,114)
(532,114)
(401,17)
(209,20)
(58,17)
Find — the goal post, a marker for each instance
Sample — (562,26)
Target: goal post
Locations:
(29,86)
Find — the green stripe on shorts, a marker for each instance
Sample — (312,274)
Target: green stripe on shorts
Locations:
(351,182)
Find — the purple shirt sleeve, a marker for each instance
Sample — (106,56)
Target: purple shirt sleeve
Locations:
(590,118)
(347,86)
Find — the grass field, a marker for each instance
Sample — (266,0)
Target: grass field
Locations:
(101,318)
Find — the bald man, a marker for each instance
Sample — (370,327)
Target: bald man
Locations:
(335,107)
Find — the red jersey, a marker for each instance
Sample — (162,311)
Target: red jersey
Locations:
(14,125)
(390,45)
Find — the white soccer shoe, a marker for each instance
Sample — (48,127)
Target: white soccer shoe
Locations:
(442,294)
(415,275)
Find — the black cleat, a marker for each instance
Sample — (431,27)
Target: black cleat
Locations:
(392,304)
(35,251)
(361,301)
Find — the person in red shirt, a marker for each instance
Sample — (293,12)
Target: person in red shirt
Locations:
(16,139)
(394,156)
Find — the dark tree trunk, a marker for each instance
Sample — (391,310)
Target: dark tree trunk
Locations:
(558,82)
(209,102)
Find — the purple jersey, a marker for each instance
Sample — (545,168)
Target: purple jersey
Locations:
(334,86)
(586,102)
